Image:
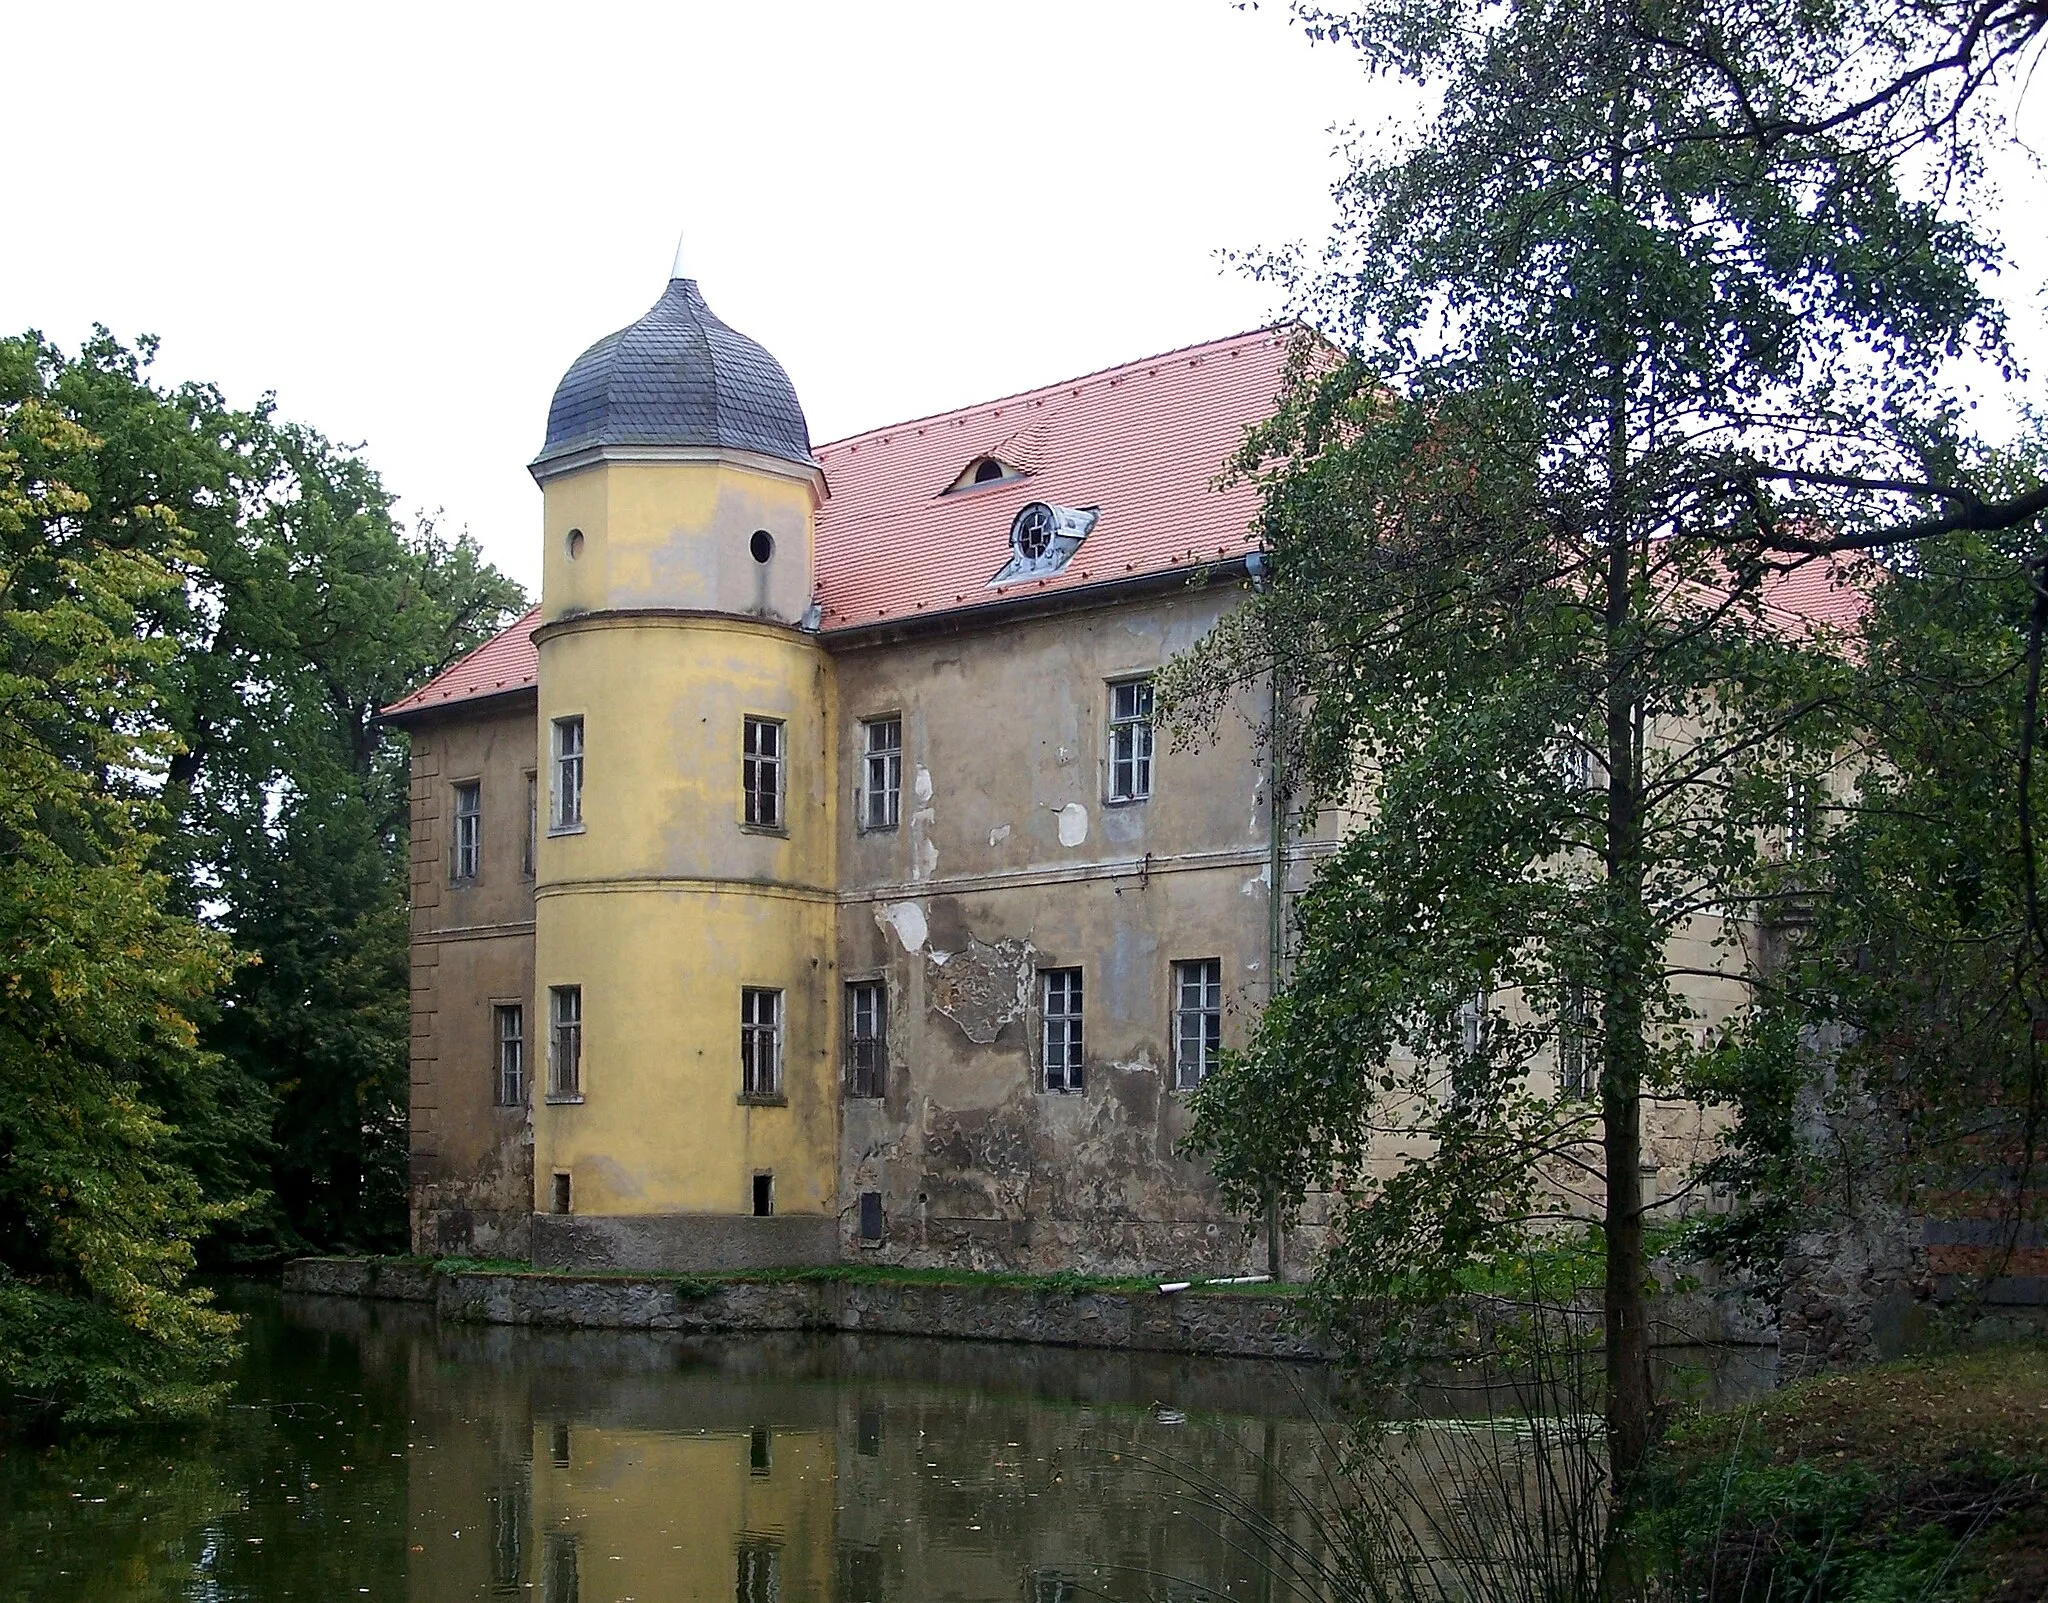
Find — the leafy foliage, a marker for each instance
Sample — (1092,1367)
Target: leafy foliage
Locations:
(1638,336)
(97,1214)
(201,610)
(304,607)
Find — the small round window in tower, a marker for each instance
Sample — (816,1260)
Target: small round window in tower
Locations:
(762,545)
(575,544)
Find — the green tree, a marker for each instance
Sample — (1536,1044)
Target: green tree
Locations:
(1640,330)
(303,606)
(103,973)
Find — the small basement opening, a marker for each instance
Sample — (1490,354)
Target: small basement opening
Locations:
(764,1195)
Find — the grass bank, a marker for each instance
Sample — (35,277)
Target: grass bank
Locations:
(1925,1480)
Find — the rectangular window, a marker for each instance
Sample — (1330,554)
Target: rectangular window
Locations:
(565,1041)
(559,1196)
(1573,1078)
(508,1537)
(1197,1020)
(566,807)
(871,1216)
(1474,1021)
(1061,1024)
(760,1451)
(468,843)
(1130,740)
(511,1032)
(760,1571)
(764,1196)
(761,772)
(1801,809)
(559,1581)
(881,783)
(867,1046)
(760,1044)
(530,848)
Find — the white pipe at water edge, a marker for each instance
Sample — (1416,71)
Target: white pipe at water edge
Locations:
(1168,1287)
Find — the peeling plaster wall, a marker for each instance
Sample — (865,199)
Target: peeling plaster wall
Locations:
(472,947)
(1010,860)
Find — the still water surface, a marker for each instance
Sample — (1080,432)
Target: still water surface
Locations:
(369,1452)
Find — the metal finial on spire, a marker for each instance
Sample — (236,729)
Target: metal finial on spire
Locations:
(676,268)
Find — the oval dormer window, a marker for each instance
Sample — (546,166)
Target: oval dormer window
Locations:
(1042,538)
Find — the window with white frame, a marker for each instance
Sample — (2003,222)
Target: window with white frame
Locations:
(760,1043)
(565,1041)
(881,775)
(565,810)
(1130,740)
(1060,1028)
(761,771)
(1574,1072)
(1802,807)
(1197,1020)
(510,1019)
(867,1037)
(466,854)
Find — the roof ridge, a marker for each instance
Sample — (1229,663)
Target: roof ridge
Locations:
(1054,384)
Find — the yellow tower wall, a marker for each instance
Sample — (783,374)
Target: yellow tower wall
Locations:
(666,903)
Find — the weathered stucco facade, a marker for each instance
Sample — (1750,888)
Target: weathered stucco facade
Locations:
(813,839)
(472,951)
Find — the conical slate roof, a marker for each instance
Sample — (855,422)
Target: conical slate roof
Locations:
(677,377)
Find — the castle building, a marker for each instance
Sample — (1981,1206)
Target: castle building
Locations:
(805,876)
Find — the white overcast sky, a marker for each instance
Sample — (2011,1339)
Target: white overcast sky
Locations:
(407,220)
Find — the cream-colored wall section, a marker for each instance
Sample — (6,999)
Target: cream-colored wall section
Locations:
(663,702)
(661,1127)
(666,902)
(678,535)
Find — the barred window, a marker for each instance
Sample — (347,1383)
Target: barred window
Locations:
(1061,1023)
(565,1040)
(1197,1020)
(1574,1070)
(567,802)
(511,1032)
(881,784)
(467,854)
(760,1043)
(1130,740)
(867,1031)
(761,771)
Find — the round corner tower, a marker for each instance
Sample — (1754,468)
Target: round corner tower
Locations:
(685,1115)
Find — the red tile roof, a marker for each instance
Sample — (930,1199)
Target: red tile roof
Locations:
(1143,442)
(507,661)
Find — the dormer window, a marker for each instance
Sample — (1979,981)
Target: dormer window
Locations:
(1042,538)
(984,470)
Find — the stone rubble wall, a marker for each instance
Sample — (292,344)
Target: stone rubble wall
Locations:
(1239,1324)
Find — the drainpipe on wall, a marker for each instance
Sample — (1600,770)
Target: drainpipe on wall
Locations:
(1276,886)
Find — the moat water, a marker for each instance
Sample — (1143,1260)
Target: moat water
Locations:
(368,1452)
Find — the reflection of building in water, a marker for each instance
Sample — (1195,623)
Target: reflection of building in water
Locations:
(587,1468)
